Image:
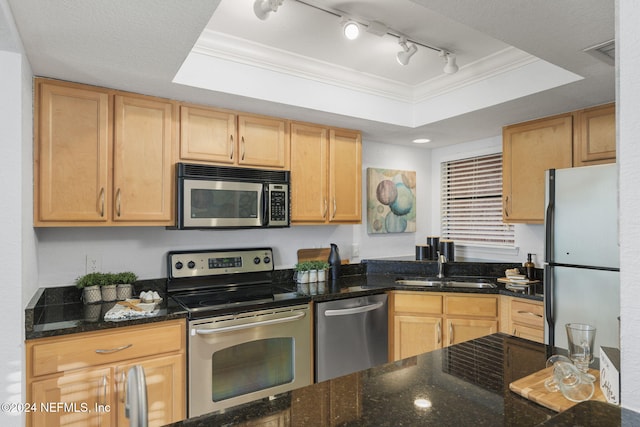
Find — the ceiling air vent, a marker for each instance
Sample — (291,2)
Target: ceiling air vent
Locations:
(605,52)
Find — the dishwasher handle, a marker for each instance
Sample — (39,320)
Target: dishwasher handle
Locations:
(354,310)
(297,315)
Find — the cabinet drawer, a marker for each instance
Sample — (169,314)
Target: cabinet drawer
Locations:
(417,303)
(471,306)
(526,313)
(50,355)
(527,332)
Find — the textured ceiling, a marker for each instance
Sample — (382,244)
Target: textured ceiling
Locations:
(140,46)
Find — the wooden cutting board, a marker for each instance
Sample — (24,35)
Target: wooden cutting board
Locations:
(316,254)
(532,387)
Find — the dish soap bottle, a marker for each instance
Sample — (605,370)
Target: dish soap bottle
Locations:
(334,261)
(530,268)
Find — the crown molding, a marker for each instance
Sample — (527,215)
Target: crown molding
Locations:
(226,47)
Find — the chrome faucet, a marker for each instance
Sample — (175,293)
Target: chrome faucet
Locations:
(442,260)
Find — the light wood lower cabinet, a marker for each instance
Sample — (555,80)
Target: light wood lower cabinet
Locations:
(426,321)
(82,377)
(523,318)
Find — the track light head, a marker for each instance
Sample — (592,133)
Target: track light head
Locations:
(449,58)
(262,8)
(351,29)
(406,53)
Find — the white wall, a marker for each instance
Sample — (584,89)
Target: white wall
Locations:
(628,99)
(17,242)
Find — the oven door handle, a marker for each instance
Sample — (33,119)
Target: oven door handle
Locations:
(296,316)
(354,310)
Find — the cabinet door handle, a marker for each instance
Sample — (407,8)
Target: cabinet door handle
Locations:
(439,329)
(326,207)
(515,332)
(529,313)
(123,381)
(102,202)
(113,350)
(231,147)
(450,333)
(243,148)
(506,206)
(334,208)
(118,202)
(102,401)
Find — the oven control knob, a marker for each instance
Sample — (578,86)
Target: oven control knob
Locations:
(179,265)
(256,260)
(191,264)
(267,260)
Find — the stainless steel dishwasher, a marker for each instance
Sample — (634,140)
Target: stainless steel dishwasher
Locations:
(351,335)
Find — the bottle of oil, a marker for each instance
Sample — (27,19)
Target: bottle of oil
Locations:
(530,268)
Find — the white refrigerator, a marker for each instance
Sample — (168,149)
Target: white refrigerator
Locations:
(582,267)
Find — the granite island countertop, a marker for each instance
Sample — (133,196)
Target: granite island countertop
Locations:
(464,384)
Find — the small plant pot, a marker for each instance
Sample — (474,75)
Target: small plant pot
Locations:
(313,276)
(109,293)
(91,294)
(322,275)
(302,276)
(124,291)
(92,312)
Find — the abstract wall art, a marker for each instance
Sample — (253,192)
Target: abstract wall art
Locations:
(391,201)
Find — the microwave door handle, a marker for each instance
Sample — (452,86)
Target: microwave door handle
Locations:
(264,205)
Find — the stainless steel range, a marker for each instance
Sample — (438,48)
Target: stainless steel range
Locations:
(247,337)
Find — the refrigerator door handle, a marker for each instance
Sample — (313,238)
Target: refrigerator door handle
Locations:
(548,216)
(548,303)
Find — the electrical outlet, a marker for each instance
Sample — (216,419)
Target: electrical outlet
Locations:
(355,250)
(93,264)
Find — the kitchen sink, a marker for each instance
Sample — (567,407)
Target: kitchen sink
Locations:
(447,282)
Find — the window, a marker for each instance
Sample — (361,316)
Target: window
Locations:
(471,202)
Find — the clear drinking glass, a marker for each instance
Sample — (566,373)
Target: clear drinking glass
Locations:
(580,339)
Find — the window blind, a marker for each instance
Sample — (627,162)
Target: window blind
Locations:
(471,202)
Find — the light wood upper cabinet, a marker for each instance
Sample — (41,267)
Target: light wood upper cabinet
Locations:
(72,154)
(595,137)
(325,175)
(228,138)
(142,160)
(207,135)
(578,138)
(90,369)
(263,142)
(345,172)
(424,321)
(102,158)
(528,150)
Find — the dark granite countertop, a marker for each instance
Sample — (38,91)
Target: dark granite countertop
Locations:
(60,311)
(464,384)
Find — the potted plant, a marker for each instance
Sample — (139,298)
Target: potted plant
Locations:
(124,284)
(108,287)
(302,271)
(322,267)
(90,284)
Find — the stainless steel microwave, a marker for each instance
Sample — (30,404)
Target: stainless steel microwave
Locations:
(227,197)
